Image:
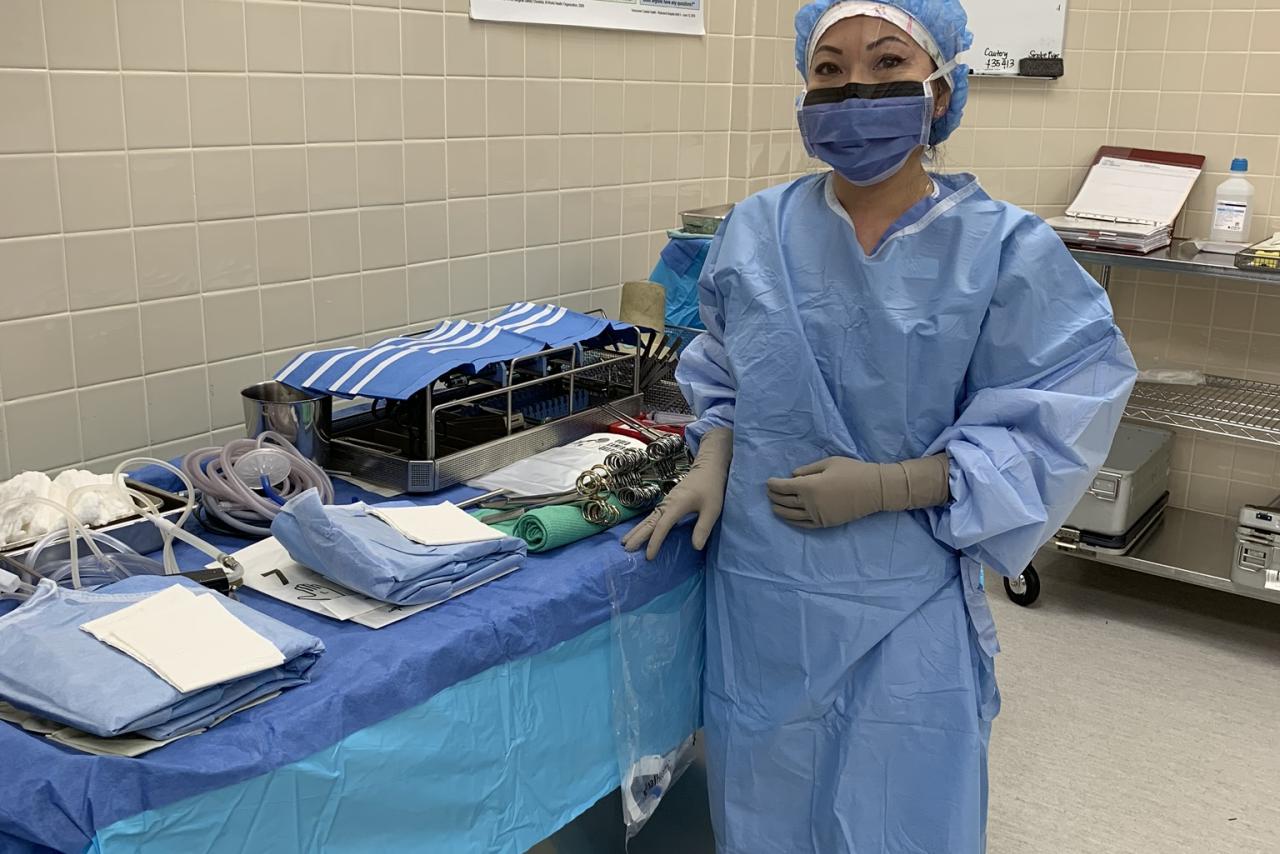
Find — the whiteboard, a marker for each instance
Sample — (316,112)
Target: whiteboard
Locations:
(1005,31)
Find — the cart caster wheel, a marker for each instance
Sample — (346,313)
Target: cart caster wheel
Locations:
(1024,589)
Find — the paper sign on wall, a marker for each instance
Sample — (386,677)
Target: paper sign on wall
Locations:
(659,16)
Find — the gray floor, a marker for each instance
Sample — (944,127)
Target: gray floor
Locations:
(1140,715)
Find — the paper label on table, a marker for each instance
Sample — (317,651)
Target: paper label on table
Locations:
(557,469)
(268,569)
(436,524)
(388,614)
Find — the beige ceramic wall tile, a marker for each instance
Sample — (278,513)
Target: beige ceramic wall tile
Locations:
(326,39)
(109,418)
(155,111)
(81,34)
(274,32)
(43,432)
(215,35)
(172,333)
(22,38)
(178,404)
(94,189)
(36,356)
(219,109)
(108,345)
(280,180)
(26,124)
(228,254)
(160,185)
(587,171)
(167,261)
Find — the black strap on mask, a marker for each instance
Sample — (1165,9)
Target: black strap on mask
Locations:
(864,91)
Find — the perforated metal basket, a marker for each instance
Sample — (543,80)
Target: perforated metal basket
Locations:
(665,396)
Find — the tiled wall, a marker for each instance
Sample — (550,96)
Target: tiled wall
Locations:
(192,191)
(1187,75)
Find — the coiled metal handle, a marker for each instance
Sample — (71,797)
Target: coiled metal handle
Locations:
(601,513)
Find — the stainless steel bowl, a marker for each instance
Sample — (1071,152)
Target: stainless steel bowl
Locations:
(303,418)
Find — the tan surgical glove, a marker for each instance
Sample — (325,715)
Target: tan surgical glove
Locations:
(700,492)
(839,490)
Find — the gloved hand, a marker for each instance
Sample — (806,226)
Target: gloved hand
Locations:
(701,492)
(839,490)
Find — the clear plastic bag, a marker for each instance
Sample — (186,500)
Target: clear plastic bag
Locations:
(657,660)
(1171,376)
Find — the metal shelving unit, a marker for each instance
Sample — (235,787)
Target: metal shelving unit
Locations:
(1179,257)
(1183,545)
(1224,407)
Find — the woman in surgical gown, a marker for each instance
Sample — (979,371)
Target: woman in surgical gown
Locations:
(902,380)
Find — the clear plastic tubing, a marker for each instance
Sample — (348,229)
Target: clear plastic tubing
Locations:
(232,502)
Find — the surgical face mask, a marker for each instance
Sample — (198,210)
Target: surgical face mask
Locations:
(866,132)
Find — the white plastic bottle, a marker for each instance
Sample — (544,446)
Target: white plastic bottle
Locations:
(1233,206)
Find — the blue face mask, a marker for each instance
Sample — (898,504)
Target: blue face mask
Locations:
(866,132)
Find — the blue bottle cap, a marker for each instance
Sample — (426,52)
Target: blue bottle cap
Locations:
(1240,164)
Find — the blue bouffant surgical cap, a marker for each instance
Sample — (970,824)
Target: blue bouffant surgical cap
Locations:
(941,28)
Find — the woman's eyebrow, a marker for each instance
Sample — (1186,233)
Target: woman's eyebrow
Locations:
(879,42)
(829,48)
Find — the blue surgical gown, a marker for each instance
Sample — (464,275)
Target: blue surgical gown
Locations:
(850,684)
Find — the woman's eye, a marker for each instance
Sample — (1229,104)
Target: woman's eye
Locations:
(889,61)
(826,69)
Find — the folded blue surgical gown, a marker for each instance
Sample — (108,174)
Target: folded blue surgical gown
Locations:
(348,545)
(52,668)
(678,269)
(850,682)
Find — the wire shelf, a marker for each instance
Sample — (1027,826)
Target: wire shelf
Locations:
(1226,407)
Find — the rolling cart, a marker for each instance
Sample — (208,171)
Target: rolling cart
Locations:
(1185,545)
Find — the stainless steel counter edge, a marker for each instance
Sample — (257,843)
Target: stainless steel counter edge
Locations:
(1167,260)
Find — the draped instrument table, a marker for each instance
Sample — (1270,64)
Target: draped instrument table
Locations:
(482,725)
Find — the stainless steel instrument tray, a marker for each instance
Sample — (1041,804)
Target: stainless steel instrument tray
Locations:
(377,466)
(137,532)
(705,220)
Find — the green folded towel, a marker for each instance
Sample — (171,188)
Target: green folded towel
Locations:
(548,528)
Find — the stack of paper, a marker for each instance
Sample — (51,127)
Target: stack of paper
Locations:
(1129,203)
(1108,234)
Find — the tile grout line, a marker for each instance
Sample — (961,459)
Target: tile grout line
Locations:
(306,179)
(404,164)
(355,144)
